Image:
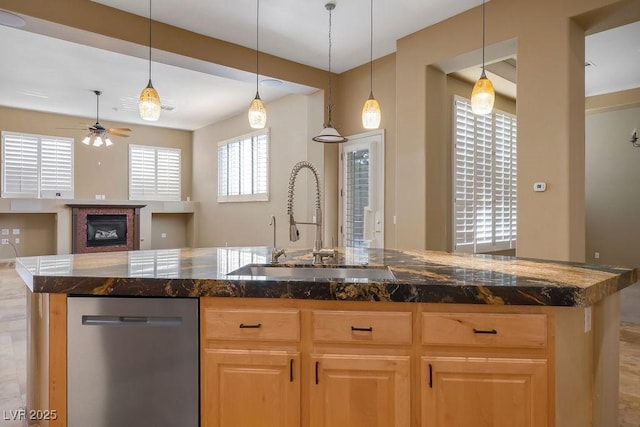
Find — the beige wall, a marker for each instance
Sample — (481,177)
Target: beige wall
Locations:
(171,230)
(612,179)
(100,170)
(550,50)
(46,223)
(291,121)
(353,89)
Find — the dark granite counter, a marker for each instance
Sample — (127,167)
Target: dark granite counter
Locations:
(421,276)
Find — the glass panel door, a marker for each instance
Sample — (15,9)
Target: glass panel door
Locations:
(362,191)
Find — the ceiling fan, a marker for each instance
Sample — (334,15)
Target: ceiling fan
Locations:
(98,134)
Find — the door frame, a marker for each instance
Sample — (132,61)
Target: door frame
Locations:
(378,179)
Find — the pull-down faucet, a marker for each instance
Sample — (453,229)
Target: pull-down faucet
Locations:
(318,252)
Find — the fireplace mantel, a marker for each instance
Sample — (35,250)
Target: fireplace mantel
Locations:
(79,227)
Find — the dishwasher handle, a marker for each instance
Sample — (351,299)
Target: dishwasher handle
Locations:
(99,320)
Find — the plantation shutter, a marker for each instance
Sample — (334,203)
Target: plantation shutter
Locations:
(56,166)
(243,168)
(464,177)
(154,173)
(36,166)
(168,174)
(485,172)
(20,161)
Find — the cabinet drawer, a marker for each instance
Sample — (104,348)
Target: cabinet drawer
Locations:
(362,327)
(485,329)
(261,325)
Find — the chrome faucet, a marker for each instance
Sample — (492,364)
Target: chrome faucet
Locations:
(275,252)
(294,235)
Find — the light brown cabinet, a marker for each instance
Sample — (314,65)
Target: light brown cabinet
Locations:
(248,388)
(479,392)
(355,384)
(250,367)
(353,390)
(305,363)
(484,369)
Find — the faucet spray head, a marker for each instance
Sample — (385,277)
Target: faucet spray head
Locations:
(294,234)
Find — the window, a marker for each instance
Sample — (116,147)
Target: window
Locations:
(243,168)
(484,155)
(154,173)
(36,166)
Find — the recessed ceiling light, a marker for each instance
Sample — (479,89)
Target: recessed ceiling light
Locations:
(11,20)
(271,82)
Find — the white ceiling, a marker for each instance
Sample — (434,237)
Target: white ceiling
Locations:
(55,75)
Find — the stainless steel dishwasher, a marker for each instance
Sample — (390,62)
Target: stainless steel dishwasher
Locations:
(132,362)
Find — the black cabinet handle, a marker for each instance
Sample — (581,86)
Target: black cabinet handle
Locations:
(291,370)
(485,331)
(356,329)
(317,364)
(250,326)
(430,376)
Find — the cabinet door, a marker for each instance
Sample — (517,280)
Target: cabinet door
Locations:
(484,392)
(360,391)
(249,388)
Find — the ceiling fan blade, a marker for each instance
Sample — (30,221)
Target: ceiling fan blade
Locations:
(122,135)
(124,129)
(74,128)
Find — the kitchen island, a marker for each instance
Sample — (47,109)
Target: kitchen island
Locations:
(448,339)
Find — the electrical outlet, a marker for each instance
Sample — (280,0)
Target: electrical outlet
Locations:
(596,255)
(163,235)
(5,241)
(17,240)
(16,231)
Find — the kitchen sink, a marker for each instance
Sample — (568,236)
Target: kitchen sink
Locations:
(309,272)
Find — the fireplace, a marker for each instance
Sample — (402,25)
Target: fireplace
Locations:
(105,228)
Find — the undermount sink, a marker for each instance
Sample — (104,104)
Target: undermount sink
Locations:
(309,272)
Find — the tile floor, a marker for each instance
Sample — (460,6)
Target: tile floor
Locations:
(13,351)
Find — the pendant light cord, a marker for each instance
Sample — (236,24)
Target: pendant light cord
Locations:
(149,40)
(371,50)
(257,42)
(483,36)
(330,9)
(97,106)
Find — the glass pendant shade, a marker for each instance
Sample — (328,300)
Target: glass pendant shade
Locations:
(86,140)
(483,96)
(257,113)
(149,104)
(329,135)
(371,113)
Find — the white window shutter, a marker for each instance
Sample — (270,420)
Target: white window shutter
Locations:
(243,168)
(36,166)
(154,173)
(56,166)
(485,172)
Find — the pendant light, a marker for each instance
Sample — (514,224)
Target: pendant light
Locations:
(149,102)
(329,134)
(371,113)
(483,95)
(257,111)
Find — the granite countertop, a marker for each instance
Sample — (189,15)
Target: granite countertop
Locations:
(421,276)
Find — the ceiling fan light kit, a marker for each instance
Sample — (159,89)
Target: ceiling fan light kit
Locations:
(99,135)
